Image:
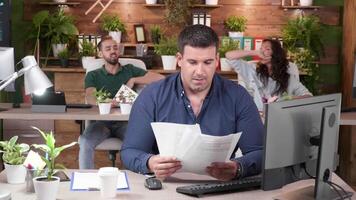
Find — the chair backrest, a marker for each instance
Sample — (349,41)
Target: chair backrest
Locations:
(97,63)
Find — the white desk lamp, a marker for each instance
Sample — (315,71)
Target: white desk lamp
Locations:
(35,80)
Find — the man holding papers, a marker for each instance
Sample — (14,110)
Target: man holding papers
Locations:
(196,95)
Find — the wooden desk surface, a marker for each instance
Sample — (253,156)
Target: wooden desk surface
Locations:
(138,191)
(72,114)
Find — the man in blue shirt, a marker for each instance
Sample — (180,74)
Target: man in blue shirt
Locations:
(195,95)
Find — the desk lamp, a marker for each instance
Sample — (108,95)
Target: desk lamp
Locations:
(35,80)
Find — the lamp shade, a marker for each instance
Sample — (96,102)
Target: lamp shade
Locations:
(35,79)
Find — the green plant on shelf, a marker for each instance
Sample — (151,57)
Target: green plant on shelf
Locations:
(13,153)
(228,44)
(166,46)
(236,23)
(112,23)
(102,96)
(87,49)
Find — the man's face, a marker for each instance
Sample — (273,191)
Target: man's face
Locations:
(109,51)
(198,66)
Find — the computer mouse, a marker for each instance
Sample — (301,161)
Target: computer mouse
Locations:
(153,184)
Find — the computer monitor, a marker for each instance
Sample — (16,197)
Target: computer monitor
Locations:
(301,141)
(7,67)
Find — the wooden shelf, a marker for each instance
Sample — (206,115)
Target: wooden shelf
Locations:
(300,7)
(157,5)
(48,3)
(193,6)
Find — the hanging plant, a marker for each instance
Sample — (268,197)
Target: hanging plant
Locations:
(178,11)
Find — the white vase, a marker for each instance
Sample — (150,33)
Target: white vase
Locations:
(169,62)
(125,108)
(116,35)
(211,2)
(89,63)
(15,174)
(224,65)
(306,2)
(233,34)
(151,1)
(58,48)
(104,108)
(46,190)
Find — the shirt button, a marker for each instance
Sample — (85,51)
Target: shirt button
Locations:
(188,106)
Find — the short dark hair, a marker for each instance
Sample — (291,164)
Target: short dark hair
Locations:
(104,38)
(197,36)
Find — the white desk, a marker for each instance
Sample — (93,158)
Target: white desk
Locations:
(138,191)
(72,114)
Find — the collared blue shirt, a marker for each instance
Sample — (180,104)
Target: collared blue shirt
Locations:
(228,108)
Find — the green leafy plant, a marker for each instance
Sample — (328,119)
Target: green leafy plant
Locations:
(236,23)
(13,153)
(178,11)
(156,33)
(87,49)
(64,54)
(302,39)
(228,44)
(60,28)
(51,151)
(304,31)
(102,96)
(166,46)
(112,23)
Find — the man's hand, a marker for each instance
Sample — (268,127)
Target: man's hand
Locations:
(130,83)
(223,170)
(163,166)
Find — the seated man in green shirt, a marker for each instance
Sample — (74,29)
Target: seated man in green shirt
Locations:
(110,77)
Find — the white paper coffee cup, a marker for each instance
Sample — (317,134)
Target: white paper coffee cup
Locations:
(108,177)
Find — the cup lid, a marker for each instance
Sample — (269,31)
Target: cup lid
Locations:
(108,171)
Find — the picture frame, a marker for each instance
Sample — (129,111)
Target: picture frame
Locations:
(140,33)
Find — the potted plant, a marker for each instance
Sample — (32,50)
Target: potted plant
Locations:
(46,187)
(151,1)
(125,97)
(211,2)
(305,2)
(236,26)
(178,11)
(13,157)
(228,44)
(64,57)
(103,100)
(114,26)
(87,53)
(167,48)
(156,33)
(302,39)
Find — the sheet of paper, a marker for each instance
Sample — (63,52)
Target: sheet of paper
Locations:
(195,149)
(87,180)
(125,95)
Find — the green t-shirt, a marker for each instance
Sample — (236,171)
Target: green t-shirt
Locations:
(100,78)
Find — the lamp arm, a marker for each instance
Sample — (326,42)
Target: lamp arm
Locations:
(10,79)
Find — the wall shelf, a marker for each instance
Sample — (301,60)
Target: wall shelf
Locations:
(193,6)
(47,3)
(300,7)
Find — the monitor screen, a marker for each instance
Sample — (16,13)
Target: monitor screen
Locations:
(7,67)
(295,131)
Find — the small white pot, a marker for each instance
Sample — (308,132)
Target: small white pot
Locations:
(224,65)
(151,1)
(104,108)
(169,62)
(15,174)
(306,2)
(116,35)
(211,2)
(89,63)
(56,48)
(236,34)
(46,190)
(125,108)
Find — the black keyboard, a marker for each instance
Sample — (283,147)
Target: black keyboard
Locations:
(218,187)
(78,105)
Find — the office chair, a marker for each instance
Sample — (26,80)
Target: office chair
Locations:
(112,145)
